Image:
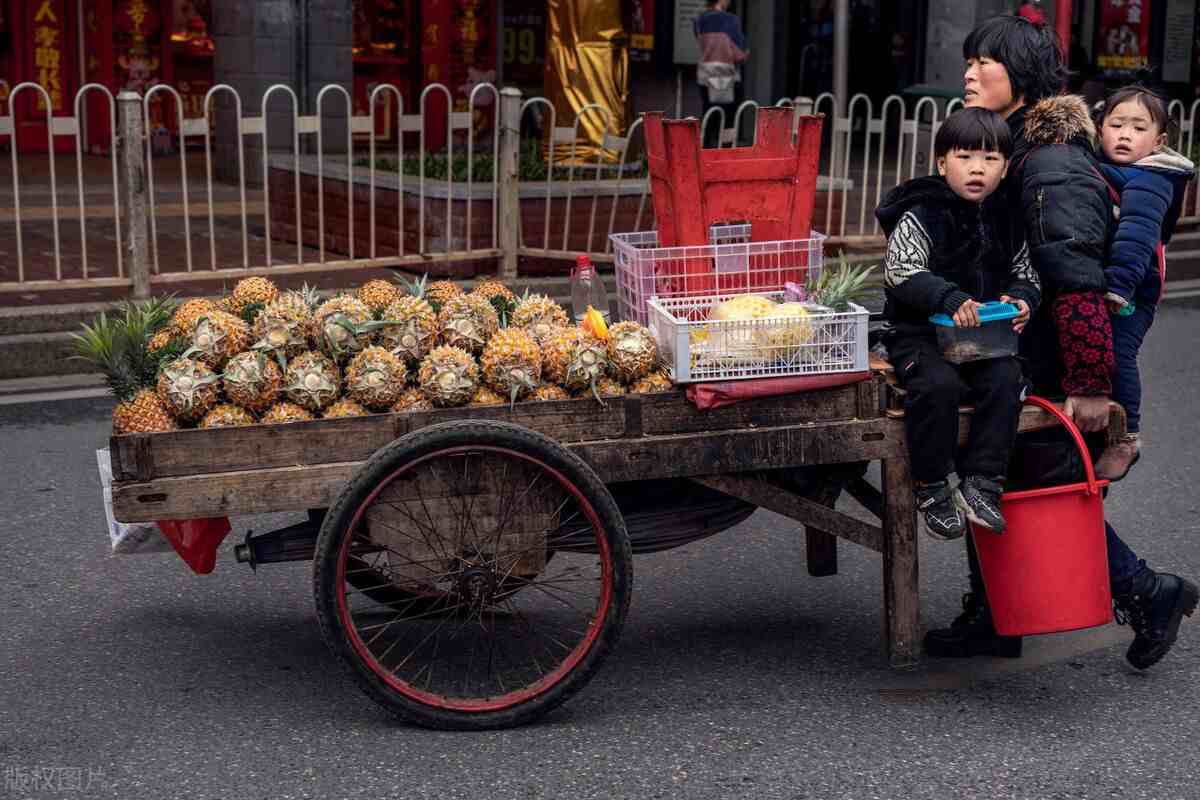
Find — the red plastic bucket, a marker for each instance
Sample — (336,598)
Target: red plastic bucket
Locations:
(1048,571)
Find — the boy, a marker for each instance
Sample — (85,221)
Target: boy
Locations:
(952,246)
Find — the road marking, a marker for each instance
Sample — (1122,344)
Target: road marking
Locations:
(52,397)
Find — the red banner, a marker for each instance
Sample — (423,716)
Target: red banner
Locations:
(48,54)
(1123,39)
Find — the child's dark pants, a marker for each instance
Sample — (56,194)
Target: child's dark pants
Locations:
(1128,334)
(935,389)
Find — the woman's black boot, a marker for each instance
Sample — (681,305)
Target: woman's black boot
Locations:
(972,633)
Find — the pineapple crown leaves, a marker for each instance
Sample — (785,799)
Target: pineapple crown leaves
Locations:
(504,308)
(838,286)
(118,345)
(415,287)
(251,312)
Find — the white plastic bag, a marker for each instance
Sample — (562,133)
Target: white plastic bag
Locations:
(127,538)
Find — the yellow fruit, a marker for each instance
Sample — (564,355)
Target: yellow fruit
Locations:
(742,307)
(556,353)
(413,400)
(448,376)
(282,329)
(539,314)
(490,289)
(378,294)
(413,329)
(653,383)
(439,293)
(160,340)
(285,412)
(312,381)
(252,381)
(607,387)
(632,351)
(512,363)
(341,326)
(189,313)
(593,324)
(549,391)
(375,378)
(486,397)
(188,389)
(790,331)
(218,337)
(467,322)
(227,416)
(144,413)
(249,292)
(344,408)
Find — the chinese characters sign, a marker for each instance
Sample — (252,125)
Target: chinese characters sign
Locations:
(49,60)
(1124,35)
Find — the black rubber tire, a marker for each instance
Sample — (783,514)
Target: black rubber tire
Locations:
(422,443)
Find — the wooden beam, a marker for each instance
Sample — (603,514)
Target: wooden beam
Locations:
(901,573)
(756,490)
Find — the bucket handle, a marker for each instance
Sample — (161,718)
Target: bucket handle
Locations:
(1053,410)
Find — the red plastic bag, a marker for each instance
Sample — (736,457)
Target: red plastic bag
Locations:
(196,540)
(706,396)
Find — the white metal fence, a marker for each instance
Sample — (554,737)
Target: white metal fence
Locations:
(141,219)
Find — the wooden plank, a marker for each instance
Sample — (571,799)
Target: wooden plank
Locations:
(867,495)
(901,574)
(756,490)
(1032,419)
(820,552)
(672,413)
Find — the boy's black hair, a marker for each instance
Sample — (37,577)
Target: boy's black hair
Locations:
(974,129)
(1029,52)
(1154,103)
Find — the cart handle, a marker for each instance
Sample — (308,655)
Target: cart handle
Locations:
(1054,411)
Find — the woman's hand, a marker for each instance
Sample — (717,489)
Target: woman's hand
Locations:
(1022,319)
(967,315)
(1088,412)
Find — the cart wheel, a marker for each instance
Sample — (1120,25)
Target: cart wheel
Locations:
(473,626)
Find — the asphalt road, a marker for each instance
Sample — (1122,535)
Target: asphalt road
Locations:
(737,675)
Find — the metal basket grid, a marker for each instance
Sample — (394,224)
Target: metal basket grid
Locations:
(731,264)
(695,349)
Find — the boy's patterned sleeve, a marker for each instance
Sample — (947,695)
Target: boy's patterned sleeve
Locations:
(1085,342)
(906,271)
(1025,283)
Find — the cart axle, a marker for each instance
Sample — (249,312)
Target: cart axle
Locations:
(294,543)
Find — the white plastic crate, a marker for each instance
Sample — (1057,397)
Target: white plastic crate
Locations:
(731,264)
(696,349)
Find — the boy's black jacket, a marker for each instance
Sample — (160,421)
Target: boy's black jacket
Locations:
(958,250)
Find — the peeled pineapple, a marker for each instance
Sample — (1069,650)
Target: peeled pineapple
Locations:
(550,391)
(632,351)
(344,408)
(252,381)
(439,293)
(342,326)
(448,376)
(411,330)
(285,412)
(218,337)
(227,415)
(188,389)
(413,400)
(378,294)
(375,378)
(312,381)
(189,313)
(251,292)
(539,315)
(467,322)
(654,383)
(790,331)
(512,363)
(486,397)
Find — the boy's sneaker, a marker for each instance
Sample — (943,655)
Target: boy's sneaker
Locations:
(943,519)
(979,498)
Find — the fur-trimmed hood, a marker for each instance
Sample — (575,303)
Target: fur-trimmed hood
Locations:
(1060,119)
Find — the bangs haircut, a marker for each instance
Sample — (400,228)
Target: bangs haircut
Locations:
(1154,103)
(974,129)
(1029,52)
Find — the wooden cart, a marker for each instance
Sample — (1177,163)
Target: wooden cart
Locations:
(473,567)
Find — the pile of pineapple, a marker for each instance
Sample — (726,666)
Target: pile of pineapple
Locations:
(261,355)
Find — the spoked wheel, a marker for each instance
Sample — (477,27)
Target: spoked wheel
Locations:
(502,570)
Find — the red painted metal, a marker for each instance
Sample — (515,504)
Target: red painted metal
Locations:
(1062,23)
(516,696)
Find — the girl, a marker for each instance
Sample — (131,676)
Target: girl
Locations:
(1151,179)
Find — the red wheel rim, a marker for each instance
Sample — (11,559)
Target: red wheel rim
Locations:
(453,605)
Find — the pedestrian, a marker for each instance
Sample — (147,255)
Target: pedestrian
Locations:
(718,73)
(1015,67)
(1150,179)
(953,244)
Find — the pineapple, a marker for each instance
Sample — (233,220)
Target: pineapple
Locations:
(448,376)
(160,341)
(375,378)
(227,415)
(467,322)
(549,391)
(411,328)
(342,326)
(282,329)
(251,292)
(142,413)
(378,295)
(486,397)
(188,388)
(501,298)
(252,381)
(218,337)
(631,351)
(512,363)
(539,314)
(413,400)
(654,383)
(285,412)
(607,387)
(839,286)
(439,293)
(189,313)
(575,360)
(344,408)
(556,353)
(312,381)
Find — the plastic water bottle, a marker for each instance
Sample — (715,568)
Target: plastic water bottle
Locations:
(587,289)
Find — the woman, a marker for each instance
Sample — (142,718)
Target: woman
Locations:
(1015,68)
